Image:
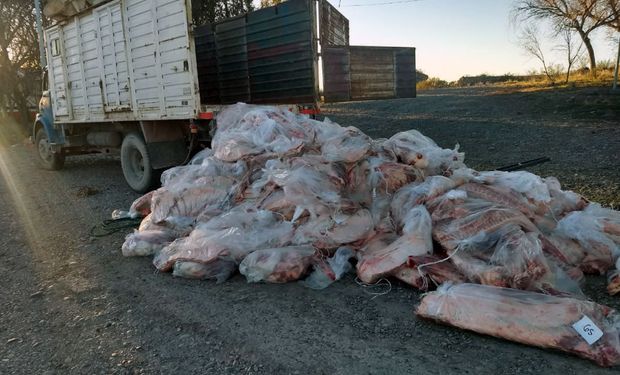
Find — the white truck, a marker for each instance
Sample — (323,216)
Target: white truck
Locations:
(136,75)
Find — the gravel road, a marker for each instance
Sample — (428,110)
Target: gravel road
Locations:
(72,304)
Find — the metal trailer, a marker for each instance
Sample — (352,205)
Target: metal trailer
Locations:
(136,75)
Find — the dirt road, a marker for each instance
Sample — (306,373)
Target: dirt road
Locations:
(72,304)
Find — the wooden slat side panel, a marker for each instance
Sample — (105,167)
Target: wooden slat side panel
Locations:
(336,74)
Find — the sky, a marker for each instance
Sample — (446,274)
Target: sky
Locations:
(453,38)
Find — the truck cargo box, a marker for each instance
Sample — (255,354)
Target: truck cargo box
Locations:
(139,60)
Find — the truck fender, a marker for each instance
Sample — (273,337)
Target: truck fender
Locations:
(53,135)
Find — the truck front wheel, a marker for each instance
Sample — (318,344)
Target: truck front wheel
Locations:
(136,163)
(47,158)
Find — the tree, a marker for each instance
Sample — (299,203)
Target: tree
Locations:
(583,16)
(269,3)
(19,54)
(571,48)
(210,11)
(529,41)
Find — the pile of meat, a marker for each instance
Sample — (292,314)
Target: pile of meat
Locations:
(282,197)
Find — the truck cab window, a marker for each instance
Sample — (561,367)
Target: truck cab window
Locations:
(55,47)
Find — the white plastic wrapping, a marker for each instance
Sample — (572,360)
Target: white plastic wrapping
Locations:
(279,265)
(146,242)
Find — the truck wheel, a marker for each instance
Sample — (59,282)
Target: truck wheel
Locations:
(47,159)
(136,164)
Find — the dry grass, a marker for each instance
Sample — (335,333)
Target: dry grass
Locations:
(603,78)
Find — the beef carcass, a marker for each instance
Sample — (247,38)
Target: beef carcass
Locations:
(219,270)
(420,269)
(279,265)
(141,207)
(413,148)
(526,317)
(231,236)
(376,262)
(467,220)
(499,195)
(588,229)
(331,231)
(416,193)
(348,145)
(147,242)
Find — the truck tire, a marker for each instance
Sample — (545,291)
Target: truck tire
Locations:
(136,164)
(49,160)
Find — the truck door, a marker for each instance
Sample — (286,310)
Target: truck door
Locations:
(57,75)
(113,59)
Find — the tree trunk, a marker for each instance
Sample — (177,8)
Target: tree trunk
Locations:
(588,43)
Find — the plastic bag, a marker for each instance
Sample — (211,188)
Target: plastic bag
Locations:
(220,270)
(331,231)
(588,228)
(210,171)
(231,236)
(386,177)
(190,201)
(327,272)
(563,202)
(415,194)
(309,189)
(526,317)
(376,262)
(147,242)
(425,271)
(141,206)
(499,195)
(411,147)
(526,183)
(245,130)
(457,222)
(201,156)
(279,265)
(349,145)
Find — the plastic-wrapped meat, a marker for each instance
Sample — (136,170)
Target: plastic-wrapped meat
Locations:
(411,147)
(331,231)
(376,262)
(245,130)
(526,183)
(562,201)
(613,282)
(231,236)
(201,156)
(414,194)
(387,176)
(190,201)
(279,265)
(358,184)
(589,230)
(420,269)
(220,270)
(310,189)
(210,171)
(326,272)
(570,251)
(475,217)
(499,195)
(613,279)
(526,317)
(349,145)
(147,242)
(276,201)
(141,207)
